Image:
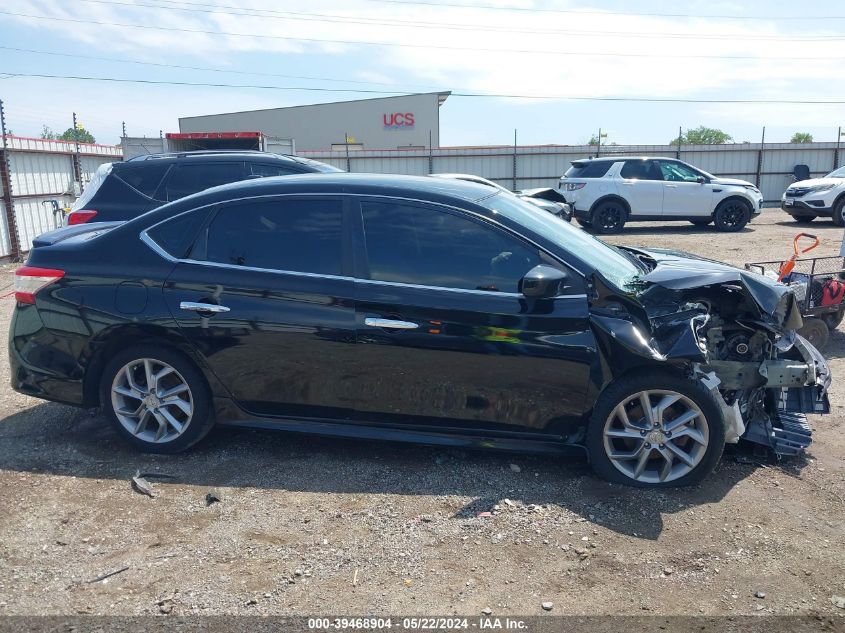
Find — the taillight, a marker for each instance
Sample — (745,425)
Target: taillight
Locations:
(29,281)
(81,217)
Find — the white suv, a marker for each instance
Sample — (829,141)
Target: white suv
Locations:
(604,193)
(808,199)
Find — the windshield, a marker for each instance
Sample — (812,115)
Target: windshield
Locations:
(619,268)
(838,173)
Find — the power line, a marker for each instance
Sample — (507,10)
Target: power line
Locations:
(454,94)
(344,19)
(627,13)
(418,46)
(207,69)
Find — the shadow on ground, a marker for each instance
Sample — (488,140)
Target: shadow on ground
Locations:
(56,440)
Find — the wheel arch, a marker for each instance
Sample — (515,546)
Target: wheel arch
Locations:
(737,197)
(615,197)
(103,348)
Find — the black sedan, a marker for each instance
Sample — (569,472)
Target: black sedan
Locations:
(420,309)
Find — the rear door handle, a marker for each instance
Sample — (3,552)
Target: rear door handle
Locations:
(672,186)
(390,324)
(195,306)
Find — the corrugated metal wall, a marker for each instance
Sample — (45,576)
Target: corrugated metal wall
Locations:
(40,171)
(769,165)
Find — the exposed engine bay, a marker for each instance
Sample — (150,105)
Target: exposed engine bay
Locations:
(733,330)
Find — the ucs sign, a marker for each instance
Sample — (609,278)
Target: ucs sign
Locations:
(398,119)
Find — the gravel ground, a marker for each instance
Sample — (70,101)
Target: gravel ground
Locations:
(312,526)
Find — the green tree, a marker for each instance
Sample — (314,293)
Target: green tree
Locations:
(47,133)
(82,135)
(594,140)
(801,137)
(703,136)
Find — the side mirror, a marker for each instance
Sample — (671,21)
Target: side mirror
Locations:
(701,180)
(542,282)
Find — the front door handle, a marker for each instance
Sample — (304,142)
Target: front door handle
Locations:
(195,306)
(672,186)
(390,324)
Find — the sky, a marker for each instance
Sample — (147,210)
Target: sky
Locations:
(556,55)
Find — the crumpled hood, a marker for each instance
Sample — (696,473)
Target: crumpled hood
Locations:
(731,181)
(680,271)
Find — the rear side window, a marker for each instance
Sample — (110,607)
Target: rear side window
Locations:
(415,245)
(144,178)
(641,170)
(264,170)
(291,235)
(592,169)
(175,235)
(187,179)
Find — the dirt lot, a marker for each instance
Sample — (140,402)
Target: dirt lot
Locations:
(326,526)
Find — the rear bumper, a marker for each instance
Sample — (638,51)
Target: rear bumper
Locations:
(38,367)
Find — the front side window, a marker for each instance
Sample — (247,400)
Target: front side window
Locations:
(289,235)
(188,179)
(678,172)
(417,245)
(641,170)
(611,262)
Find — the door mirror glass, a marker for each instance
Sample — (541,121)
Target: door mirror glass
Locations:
(542,282)
(701,180)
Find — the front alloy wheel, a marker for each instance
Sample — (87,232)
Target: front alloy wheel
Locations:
(655,429)
(732,215)
(656,436)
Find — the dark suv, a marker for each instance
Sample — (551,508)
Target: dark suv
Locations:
(122,191)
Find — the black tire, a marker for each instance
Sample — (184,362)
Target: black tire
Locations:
(609,217)
(629,385)
(701,221)
(815,331)
(839,212)
(804,219)
(198,396)
(731,215)
(585,223)
(833,319)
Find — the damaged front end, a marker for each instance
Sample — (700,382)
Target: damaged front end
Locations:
(731,329)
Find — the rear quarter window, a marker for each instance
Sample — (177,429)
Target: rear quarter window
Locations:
(176,235)
(144,178)
(588,170)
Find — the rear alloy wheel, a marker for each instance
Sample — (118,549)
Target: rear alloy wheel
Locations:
(804,219)
(656,431)
(609,217)
(816,331)
(157,399)
(732,215)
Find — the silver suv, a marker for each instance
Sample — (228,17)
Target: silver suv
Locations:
(604,193)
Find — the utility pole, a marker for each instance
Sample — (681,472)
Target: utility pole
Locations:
(430,155)
(6,183)
(77,163)
(680,140)
(346,145)
(836,151)
(123,128)
(760,158)
(514,161)
(598,147)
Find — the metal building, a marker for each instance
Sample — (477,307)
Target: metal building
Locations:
(404,122)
